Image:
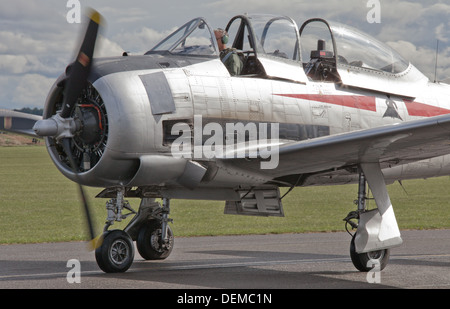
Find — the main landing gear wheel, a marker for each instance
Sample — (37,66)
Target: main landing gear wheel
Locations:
(366,261)
(116,253)
(150,244)
(378,259)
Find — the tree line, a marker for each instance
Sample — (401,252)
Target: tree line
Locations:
(33,111)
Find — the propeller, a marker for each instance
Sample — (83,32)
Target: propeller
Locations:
(62,126)
(78,73)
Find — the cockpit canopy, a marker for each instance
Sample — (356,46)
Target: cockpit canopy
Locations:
(356,59)
(351,48)
(268,44)
(273,47)
(263,34)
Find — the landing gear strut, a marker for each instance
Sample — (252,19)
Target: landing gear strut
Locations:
(149,228)
(365,261)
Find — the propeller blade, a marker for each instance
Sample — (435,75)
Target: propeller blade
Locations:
(94,241)
(79,70)
(78,73)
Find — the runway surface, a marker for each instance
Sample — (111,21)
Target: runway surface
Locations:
(287,261)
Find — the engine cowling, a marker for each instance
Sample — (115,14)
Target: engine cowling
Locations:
(96,164)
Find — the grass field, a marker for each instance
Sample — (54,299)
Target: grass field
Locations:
(38,204)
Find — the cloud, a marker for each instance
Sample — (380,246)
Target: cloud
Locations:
(141,40)
(21,54)
(441,32)
(32,90)
(104,47)
(298,10)
(37,42)
(13,64)
(22,10)
(16,43)
(419,23)
(28,90)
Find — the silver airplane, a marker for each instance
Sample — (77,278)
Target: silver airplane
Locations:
(321,105)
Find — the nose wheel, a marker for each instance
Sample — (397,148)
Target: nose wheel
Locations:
(116,253)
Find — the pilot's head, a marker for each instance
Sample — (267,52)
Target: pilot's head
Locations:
(222,38)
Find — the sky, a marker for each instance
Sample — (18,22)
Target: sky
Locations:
(37,41)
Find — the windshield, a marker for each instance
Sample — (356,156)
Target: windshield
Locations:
(193,38)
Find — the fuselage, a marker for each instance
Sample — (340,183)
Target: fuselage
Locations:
(144,105)
(303,111)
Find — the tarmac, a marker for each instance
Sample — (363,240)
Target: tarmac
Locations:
(251,262)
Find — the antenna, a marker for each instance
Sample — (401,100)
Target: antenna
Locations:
(435,66)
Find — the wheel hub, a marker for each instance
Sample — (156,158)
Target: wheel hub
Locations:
(376,255)
(119,251)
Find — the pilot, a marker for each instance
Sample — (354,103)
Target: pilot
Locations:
(229,56)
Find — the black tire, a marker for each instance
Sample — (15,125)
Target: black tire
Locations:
(360,260)
(148,241)
(116,253)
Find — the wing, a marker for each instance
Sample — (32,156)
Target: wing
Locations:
(18,122)
(392,144)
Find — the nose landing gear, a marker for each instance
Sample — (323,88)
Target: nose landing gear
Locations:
(149,228)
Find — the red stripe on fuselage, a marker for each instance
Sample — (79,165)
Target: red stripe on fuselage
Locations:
(424,110)
(354,101)
(368,103)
